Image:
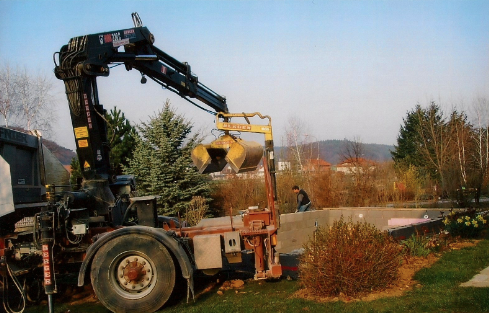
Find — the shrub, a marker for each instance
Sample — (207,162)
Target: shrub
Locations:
(349,258)
(417,245)
(196,210)
(237,193)
(465,226)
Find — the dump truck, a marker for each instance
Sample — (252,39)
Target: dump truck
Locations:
(102,233)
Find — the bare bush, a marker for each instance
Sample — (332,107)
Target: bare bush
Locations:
(372,184)
(328,190)
(196,210)
(349,258)
(238,193)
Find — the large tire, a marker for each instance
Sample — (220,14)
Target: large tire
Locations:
(133,273)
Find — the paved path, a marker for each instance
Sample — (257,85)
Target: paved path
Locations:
(479,280)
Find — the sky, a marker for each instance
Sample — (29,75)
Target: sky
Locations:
(344,69)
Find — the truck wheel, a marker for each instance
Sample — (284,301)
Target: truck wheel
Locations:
(133,273)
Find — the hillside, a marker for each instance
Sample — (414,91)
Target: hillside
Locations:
(63,154)
(332,151)
(329,150)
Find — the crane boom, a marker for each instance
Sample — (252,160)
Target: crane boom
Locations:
(87,57)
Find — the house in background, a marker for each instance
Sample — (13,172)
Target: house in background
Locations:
(355,165)
(283,166)
(316,165)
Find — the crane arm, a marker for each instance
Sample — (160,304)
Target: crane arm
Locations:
(87,57)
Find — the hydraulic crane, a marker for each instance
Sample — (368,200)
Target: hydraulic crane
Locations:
(133,268)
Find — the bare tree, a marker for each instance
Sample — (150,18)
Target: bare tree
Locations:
(462,133)
(436,136)
(7,92)
(353,150)
(35,98)
(295,134)
(26,100)
(480,108)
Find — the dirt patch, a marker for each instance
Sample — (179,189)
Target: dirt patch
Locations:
(405,281)
(463,244)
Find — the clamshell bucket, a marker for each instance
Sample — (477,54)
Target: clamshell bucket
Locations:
(211,158)
(208,160)
(244,156)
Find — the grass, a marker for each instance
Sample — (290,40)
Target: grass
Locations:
(439,292)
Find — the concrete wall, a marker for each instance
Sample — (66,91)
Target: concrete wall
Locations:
(297,228)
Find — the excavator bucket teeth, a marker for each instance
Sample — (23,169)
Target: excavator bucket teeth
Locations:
(244,156)
(209,160)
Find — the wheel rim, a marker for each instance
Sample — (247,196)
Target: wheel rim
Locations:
(133,274)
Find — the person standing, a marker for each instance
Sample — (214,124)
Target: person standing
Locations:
(303,202)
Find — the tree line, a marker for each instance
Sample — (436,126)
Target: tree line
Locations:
(445,150)
(439,155)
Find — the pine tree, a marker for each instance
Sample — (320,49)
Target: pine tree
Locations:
(121,136)
(162,164)
(406,151)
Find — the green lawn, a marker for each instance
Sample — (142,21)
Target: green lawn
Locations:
(439,292)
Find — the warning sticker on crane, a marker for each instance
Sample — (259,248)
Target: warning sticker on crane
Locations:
(81,132)
(122,42)
(82,143)
(129,33)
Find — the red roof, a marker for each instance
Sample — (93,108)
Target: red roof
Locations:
(316,165)
(68,168)
(356,162)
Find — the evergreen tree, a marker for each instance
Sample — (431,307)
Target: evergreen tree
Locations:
(75,171)
(121,136)
(406,151)
(162,164)
(423,141)
(437,146)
